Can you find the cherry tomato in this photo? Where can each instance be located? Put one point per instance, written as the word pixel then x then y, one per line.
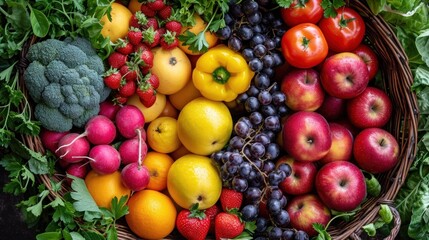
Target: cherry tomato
pixel 301 11
pixel 345 31
pixel 304 45
pixel 369 57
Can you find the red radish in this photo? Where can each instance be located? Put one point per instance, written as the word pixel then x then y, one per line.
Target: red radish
pixel 129 150
pixel 109 109
pixel 72 148
pixel 78 170
pixel 104 159
pixel 50 138
pixel 63 164
pixel 135 176
pixel 129 119
pixel 98 130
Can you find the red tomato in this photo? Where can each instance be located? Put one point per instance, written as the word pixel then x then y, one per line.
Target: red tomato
pixel 304 45
pixel 345 31
pixel 301 11
pixel 369 57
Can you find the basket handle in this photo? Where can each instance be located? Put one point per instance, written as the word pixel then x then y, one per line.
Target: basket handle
pixel 396 223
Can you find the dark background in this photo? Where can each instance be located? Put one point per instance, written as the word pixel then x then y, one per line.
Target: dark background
pixel 12 225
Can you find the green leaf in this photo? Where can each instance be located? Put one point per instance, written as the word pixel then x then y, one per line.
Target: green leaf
pixel 76 236
pixel 92 235
pixel 373 186
pixel 419 224
pixel 284 3
pixel 330 7
pixel 422 44
pixel 119 208
pixel 49 236
pixel 39 23
pixel 385 213
pixel 83 199
pixel 376 6
pixel 322 233
pixel 370 229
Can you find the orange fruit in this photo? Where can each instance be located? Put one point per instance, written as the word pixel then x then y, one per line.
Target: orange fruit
pixel 103 188
pixel 152 112
pixel 158 165
pixel 169 110
pixel 199 26
pixel 118 27
pixel 173 69
pixel 162 135
pixel 181 151
pixel 184 95
pixel 134 6
pixel 152 215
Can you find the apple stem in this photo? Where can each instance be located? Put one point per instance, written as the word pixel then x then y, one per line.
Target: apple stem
pixel 382 142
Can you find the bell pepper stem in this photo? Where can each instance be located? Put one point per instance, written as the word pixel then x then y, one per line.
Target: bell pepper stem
pixel 221 75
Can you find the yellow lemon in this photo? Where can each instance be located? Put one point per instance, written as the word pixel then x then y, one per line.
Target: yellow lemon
pixel 194 179
pixel 118 27
pixel 162 135
pixel 204 126
pixel 152 112
pixel 184 95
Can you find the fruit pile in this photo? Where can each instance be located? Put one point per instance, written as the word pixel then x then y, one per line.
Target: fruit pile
pixel 270 131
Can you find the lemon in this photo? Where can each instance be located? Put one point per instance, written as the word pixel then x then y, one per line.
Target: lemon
pixel 194 179
pixel 118 27
pixel 204 126
pixel 162 135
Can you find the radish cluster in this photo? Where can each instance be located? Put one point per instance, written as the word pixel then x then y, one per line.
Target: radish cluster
pixel 115 137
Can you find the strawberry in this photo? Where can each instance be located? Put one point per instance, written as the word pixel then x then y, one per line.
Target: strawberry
pixel 230 199
pixel 211 213
pixel 165 12
pixel 169 40
pixel 174 26
pixel 193 224
pixel 138 19
pixel 112 78
pixel 134 35
pixel 152 79
pixel 151 22
pixel 146 58
pixel 117 60
pixel 155 5
pixel 147 11
pixel 141 47
pixel 124 47
pixel 118 99
pixel 228 225
pixel 129 72
pixel 147 94
pixel 127 89
pixel 151 37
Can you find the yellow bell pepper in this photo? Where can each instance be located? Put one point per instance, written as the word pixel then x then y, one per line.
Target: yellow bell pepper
pixel 221 74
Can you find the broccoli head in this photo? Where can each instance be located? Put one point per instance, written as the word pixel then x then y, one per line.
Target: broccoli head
pixel 64 79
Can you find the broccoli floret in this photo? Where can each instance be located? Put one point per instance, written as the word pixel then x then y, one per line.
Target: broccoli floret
pixel 45 51
pixel 81 121
pixel 52 119
pixel 71 85
pixel 52 96
pixel 35 80
pixel 72 56
pixel 72 111
pixel 54 71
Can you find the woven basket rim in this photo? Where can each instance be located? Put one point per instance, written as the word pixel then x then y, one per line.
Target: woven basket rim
pixel 398 80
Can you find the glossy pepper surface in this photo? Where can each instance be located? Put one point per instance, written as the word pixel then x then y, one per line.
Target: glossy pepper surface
pixel 221 74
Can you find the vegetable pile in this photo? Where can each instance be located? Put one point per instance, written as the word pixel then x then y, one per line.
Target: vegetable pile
pixel 113 115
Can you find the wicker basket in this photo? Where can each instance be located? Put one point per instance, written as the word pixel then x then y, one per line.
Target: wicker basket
pixel 397 81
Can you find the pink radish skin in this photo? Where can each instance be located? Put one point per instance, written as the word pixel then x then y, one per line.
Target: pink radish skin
pixel 104 159
pixel 50 139
pixel 129 150
pixel 72 148
pixel 128 119
pixel 63 164
pixel 78 170
pixel 135 176
pixel 99 130
pixel 109 109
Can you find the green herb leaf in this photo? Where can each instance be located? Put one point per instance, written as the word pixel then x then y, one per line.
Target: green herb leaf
pixel 376 6
pixel 119 208
pixel 284 3
pixel 373 186
pixel 370 229
pixel 49 236
pixel 322 233
pixel 196 43
pixel 385 213
pixel 83 199
pixel 39 23
pixel 330 7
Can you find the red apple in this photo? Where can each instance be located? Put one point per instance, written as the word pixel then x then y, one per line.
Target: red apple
pixel 342 144
pixel 369 57
pixel 372 108
pixel 301 179
pixel 341 185
pixel 332 108
pixel 344 75
pixel 306 136
pixel 375 150
pixel 346 123
pixel 303 90
pixel 304 210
